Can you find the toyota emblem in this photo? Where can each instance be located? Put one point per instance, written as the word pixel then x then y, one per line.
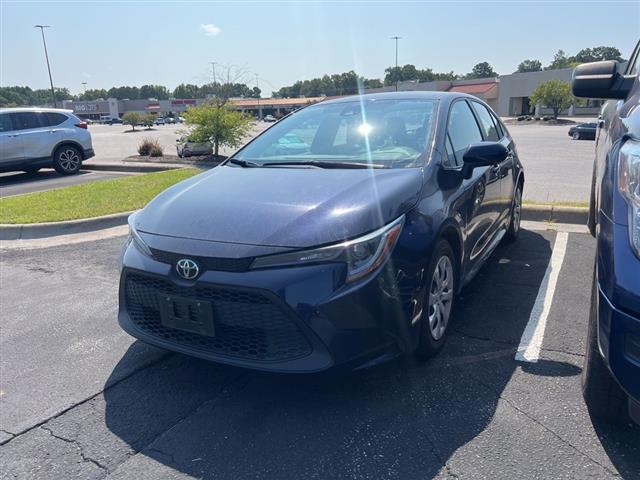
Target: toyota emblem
pixel 187 268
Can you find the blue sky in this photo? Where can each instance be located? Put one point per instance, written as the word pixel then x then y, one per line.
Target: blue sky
pixel 167 42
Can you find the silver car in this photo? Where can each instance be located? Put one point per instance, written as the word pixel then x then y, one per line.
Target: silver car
pixel 186 148
pixel 33 138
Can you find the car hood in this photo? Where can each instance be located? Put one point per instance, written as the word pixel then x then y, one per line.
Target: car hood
pixel 281 207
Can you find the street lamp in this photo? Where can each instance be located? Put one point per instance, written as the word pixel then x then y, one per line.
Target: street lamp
pixel 396 38
pixel 46 55
pixel 259 109
pixel 84 86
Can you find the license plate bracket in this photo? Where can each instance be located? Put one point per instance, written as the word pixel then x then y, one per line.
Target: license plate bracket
pixel 187 314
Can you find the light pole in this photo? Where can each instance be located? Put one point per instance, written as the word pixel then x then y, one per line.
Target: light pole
pixel 46 55
pixel 259 108
pixel 396 38
pixel 84 86
pixel 213 71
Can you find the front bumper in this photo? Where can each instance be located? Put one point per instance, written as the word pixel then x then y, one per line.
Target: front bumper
pixel 299 319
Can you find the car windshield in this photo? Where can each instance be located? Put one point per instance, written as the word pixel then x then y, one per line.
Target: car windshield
pixel 387 133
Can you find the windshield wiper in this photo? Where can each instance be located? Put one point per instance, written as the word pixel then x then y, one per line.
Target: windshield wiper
pixel 244 163
pixel 324 164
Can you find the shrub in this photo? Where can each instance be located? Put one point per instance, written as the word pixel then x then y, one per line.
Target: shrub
pixel 150 147
pixel 156 151
pixel 132 118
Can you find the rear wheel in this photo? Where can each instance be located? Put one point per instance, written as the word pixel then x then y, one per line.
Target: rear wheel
pixel 602 394
pixel 67 160
pixel 576 135
pixel 438 304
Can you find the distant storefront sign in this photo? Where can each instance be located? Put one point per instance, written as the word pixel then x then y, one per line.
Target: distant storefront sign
pixel 85 107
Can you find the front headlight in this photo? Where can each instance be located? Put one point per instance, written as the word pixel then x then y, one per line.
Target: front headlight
pixel 362 255
pixel 134 236
pixel 629 186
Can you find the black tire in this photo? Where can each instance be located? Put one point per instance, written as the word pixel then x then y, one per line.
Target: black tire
pixel 429 345
pixel 67 160
pixel 602 394
pixel 31 170
pixel 516 216
pixel 576 135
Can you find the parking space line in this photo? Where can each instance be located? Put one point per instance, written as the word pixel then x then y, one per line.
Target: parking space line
pixel 533 335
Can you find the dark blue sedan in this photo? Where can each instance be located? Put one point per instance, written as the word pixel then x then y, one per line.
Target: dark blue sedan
pixel 611 374
pixel 344 247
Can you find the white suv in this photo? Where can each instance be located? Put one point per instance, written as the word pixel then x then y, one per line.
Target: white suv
pixel 33 138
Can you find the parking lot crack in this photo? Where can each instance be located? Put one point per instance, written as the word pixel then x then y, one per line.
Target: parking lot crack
pixel 83 456
pixel 546 428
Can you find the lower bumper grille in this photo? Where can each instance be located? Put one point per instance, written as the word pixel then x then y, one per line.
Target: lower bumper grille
pixel 248 325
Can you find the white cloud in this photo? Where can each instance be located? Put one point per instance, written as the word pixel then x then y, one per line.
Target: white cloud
pixel 210 30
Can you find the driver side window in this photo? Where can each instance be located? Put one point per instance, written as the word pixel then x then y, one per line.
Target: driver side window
pixel 462 130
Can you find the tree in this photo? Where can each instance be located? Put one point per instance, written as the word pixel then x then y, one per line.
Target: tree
pixel 148 120
pixel 132 118
pixel 218 123
pixel 560 60
pixel 481 70
pixel 186 91
pixel 554 94
pixel 529 66
pixel 597 54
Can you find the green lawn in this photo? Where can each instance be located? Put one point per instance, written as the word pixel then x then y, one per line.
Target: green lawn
pixel 90 199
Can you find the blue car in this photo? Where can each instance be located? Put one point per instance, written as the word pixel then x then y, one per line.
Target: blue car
pixel 348 249
pixel 611 373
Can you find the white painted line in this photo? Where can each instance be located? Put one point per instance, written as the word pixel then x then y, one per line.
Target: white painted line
pixel 533 335
pixel 553 227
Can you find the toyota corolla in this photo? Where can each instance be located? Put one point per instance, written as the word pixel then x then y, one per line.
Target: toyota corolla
pixel 339 236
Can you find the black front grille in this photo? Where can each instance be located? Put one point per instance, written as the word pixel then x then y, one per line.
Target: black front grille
pixel 205 263
pixel 248 325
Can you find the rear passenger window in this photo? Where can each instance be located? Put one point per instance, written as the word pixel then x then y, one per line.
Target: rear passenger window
pixel 25 120
pixel 463 129
pixel 54 119
pixel 5 123
pixel 489 129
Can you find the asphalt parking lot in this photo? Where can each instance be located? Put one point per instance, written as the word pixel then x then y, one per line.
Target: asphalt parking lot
pixel 81 399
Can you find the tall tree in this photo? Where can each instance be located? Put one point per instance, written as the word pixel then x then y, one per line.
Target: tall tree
pixel 560 60
pixel 481 70
pixel 554 94
pixel 529 66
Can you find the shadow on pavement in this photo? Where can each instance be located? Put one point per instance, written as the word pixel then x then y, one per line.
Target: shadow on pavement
pixel 398 420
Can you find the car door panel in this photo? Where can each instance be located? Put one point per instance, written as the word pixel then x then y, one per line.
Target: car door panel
pixel 11 150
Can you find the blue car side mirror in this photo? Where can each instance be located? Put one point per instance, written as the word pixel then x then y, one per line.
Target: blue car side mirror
pixel 484 154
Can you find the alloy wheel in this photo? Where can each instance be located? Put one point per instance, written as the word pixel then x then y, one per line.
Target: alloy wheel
pixel 69 160
pixel 517 210
pixel 440 297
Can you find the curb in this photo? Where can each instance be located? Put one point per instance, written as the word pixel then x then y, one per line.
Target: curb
pixel 52 229
pixel 555 213
pixel 111 167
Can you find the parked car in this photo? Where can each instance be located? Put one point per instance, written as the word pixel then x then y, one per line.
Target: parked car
pixel 611 372
pixel 115 121
pixel 180 119
pixel 33 138
pixel 583 131
pixel 347 253
pixel 186 148
pixel 159 121
pixel 169 120
pixel 269 118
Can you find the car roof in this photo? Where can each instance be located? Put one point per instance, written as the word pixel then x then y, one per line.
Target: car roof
pixel 426 95
pixel 34 109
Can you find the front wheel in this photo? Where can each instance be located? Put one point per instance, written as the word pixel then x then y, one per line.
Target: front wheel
pixel 576 135
pixel 516 216
pixel 440 294
pixel 67 160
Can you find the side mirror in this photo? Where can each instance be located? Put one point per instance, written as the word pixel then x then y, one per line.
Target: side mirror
pixel 484 154
pixel 601 80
